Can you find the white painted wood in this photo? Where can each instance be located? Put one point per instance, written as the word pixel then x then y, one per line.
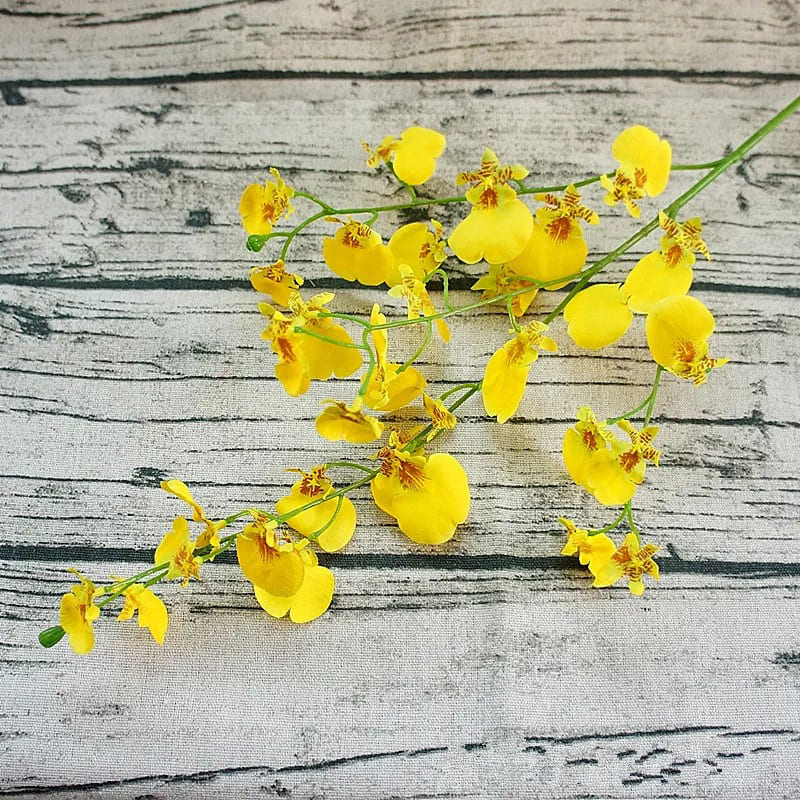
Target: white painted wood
pixel 131 352
pixel 489 692
pixel 124 153
pixel 173 39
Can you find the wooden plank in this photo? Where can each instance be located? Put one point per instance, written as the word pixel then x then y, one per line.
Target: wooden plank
pixel 697 715
pixel 187 154
pixel 131 353
pixel 179 383
pixel 179 39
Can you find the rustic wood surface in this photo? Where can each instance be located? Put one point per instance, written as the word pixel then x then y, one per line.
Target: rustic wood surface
pixel 487 669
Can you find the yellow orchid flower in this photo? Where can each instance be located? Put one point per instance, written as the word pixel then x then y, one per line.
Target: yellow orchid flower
pixel 181 491
pixel 357 253
pixel 606 467
pixel 499 225
pixel 666 272
pixel 340 422
pixel 598 316
pixel 314 485
pixel 152 611
pixel 275 281
pixel 593 550
pixel 78 612
pixel 416 246
pixel 442 419
pixel 613 480
pixel 412 156
pixel 584 444
pixel 683 236
pixel 262 206
pixel 177 548
pixel 271 563
pixel 654 278
pixel 303 357
pixel 313 596
pixel 390 388
pixel 677 332
pixel 500 280
pixel 556 248
pixel 419 301
pixel 631 561
pixel 427 495
pixel 644 164
pixel 507 371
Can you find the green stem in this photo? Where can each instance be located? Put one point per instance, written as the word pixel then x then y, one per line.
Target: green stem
pixel 312 537
pixel 257 242
pixel 418 352
pixel 611 525
pixel 373 361
pixel 121 586
pixel 649 401
pixel 511 318
pixel 314 199
pixel 458 388
pixel 329 339
pixel 349 465
pixel 648 415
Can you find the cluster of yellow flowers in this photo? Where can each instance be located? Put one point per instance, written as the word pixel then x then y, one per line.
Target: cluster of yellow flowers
pixel 426 494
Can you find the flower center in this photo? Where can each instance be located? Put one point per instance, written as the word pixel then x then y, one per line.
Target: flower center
pixel 489 198
pixel 559 229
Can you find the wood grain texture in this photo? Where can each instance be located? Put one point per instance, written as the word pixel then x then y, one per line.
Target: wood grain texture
pixel 485 669
pixel 125 153
pixel 172 39
pixel 341 709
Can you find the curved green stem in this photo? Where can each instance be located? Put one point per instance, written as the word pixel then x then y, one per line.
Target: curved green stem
pixel 418 352
pixel 328 339
pixel 349 465
pixel 611 525
pixel 649 401
pixel 312 537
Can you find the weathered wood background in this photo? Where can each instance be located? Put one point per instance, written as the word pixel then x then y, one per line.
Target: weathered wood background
pixel 131 352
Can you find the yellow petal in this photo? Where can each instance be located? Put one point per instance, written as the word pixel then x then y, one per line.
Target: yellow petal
pixel 409 246
pixel 675 320
pixel 172 541
pixel 607 574
pixel 401 388
pixel 607 481
pixel 81 635
pixel 277 572
pixel 430 515
pixel 314 596
pixel 370 262
pixel 578 459
pixel 250 205
pixel 597 316
pixel 339 422
pixel 383 489
pixel 308 522
pixel 547 259
pixel 153 613
pixel 415 156
pixel 325 358
pixel 651 280
pixel 274 606
pixel 496 234
pixel 640 147
pixel 504 382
